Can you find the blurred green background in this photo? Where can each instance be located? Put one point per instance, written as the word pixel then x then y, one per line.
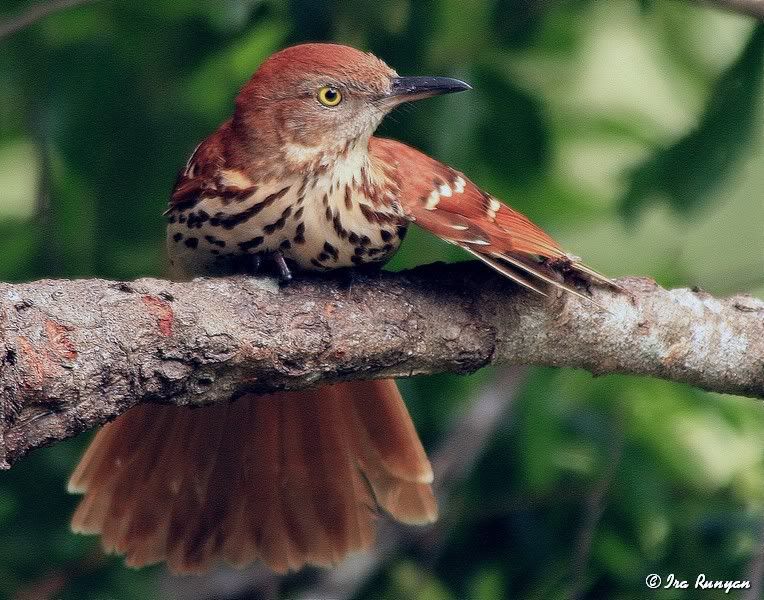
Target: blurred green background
pixel 631 130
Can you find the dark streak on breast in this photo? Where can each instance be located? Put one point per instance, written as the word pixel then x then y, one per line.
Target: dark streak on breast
pixel 215 241
pixel 230 193
pixel 253 243
pixel 375 216
pixel 229 221
pixel 338 228
pixel 331 250
pixel 299 237
pixel 303 186
pixel 278 224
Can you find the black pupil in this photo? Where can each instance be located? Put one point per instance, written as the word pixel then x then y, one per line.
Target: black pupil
pixel 330 95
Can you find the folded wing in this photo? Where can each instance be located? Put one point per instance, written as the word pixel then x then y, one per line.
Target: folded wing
pixel 446 203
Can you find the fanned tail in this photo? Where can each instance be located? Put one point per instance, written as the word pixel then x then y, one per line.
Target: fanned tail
pixel 291 478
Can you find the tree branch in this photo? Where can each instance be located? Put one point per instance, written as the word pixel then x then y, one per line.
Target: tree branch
pixel 35 13
pixel 74 354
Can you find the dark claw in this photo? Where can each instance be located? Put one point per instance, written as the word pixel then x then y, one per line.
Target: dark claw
pixel 285 275
pixel 346 277
pixel 255 261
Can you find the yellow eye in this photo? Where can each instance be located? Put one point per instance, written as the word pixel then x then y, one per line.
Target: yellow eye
pixel 329 96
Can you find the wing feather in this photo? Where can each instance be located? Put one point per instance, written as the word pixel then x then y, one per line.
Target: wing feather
pixel 208 174
pixel 446 203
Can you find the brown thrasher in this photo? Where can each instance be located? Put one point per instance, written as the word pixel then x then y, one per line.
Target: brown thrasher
pixel 296 177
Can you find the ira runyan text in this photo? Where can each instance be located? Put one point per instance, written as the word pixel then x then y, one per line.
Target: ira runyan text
pixel 704 583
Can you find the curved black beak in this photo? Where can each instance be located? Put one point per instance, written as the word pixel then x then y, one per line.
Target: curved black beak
pixel 405 89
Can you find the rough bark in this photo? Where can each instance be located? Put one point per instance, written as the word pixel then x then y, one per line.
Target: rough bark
pixel 74 354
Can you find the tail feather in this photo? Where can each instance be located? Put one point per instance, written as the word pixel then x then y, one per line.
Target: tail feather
pixel 331 474
pixel 198 507
pixel 234 472
pixel 241 545
pixel 136 527
pixel 114 452
pixel 395 467
pixel 299 498
pixel 289 478
pixel 264 514
pixel 382 414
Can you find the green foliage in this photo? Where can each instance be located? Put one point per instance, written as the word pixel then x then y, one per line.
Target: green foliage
pixel 100 105
pixel 690 170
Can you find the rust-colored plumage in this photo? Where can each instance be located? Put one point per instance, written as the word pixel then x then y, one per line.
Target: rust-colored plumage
pixel 296 178
pixel 288 478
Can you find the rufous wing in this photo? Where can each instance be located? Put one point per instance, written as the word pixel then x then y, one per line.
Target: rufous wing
pixel 446 203
pixel 209 173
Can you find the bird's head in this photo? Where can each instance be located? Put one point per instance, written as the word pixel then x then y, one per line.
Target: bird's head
pixel 324 98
